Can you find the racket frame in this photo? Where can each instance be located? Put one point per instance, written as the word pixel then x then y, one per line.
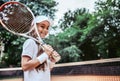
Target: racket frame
pixel 32 24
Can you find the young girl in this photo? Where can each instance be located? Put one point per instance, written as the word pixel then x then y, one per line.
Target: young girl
pixel 35 62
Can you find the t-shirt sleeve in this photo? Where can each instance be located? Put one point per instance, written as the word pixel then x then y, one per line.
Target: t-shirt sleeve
pixel 28 48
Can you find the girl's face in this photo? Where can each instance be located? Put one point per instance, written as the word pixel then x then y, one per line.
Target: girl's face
pixel 43 28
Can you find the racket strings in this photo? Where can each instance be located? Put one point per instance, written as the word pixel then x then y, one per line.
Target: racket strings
pixel 22 27
pixel 23 18
pixel 17 25
pixel 19 18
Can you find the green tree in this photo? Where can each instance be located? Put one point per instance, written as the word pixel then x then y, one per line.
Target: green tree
pixel 68 41
pixel 41 7
pixel 96 34
pixel 102 31
pixel 107 14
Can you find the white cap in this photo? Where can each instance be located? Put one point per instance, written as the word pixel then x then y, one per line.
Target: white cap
pixel 39 19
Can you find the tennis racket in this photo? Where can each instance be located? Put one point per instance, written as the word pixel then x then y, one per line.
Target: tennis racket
pixel 19 20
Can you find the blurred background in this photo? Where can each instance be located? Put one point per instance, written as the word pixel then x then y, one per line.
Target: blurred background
pixel 86 33
pixel 83 30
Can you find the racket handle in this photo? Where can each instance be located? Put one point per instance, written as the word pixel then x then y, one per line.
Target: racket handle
pixel 56 56
pixel 53 54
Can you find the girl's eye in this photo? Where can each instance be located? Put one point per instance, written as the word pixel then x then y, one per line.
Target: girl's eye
pixel 42 26
pixel 47 28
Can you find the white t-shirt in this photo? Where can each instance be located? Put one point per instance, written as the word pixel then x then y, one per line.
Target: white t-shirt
pixel 30 48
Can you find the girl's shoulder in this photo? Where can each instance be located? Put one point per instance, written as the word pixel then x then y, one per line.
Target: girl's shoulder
pixel 29 41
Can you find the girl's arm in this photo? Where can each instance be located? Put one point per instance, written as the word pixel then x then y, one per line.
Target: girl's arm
pixel 28 63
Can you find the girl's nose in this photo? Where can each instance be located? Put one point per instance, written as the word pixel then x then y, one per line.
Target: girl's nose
pixel 46 30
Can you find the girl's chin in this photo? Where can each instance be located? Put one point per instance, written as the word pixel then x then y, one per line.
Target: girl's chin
pixel 42 36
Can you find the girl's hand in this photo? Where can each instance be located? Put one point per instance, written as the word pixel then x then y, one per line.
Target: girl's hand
pixel 55 57
pixel 48 49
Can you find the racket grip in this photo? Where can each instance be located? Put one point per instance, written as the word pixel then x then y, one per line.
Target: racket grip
pixel 56 57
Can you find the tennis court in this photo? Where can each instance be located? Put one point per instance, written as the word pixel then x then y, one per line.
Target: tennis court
pixel 85 78
pixel 97 70
pixel 76 78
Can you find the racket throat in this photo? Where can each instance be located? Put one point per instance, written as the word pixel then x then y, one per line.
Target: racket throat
pixel 40 40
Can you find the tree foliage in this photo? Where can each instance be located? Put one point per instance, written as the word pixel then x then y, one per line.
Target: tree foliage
pixel 96 35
